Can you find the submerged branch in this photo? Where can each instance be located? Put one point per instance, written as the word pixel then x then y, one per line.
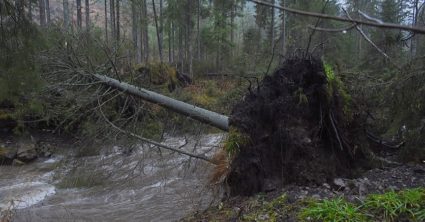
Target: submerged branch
pixel 153 142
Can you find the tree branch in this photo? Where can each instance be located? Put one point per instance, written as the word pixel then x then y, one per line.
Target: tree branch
pixel 342 19
pixel 372 43
pixel 333 30
pixel 153 142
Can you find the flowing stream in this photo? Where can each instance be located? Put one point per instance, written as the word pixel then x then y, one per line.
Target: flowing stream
pixel 116 185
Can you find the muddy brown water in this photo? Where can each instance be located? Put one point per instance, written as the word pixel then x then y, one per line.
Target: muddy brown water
pixel 145 185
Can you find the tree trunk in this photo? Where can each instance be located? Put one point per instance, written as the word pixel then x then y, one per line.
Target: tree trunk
pixel 41 5
pixel 232 24
pixel 87 10
pixel 66 14
pixel 189 44
pixel 112 19
pixel 272 28
pixel 48 11
pixel 145 30
pixel 117 21
pixel 198 37
pixel 283 32
pixel 157 32
pixel 161 23
pixel 79 15
pixel 135 31
pixel 181 49
pixel 173 41
pixel 170 60
pixel 197 113
pixel 30 10
pixel 413 40
pixel 106 21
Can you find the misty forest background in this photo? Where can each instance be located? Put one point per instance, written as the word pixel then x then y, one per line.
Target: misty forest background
pixel 47 47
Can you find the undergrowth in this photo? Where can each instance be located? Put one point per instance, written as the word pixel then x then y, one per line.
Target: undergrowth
pixel 406 205
pixel 234 141
pixel 332 210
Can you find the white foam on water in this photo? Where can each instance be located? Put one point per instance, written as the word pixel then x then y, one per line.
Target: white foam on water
pixel 24 195
pixel 53 159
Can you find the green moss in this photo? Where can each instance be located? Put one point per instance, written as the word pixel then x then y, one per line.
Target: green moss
pixel 335 85
pixel 235 139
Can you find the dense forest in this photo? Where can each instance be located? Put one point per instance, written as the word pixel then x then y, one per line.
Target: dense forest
pixel 306 91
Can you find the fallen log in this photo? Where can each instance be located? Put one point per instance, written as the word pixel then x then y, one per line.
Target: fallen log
pixel 212 118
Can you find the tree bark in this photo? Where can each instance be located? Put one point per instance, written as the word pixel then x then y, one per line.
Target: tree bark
pixel 173 41
pixel 30 10
pixel 198 30
pixel 272 34
pixel 106 21
pixel 197 113
pixel 283 32
pixel 79 15
pixel 413 40
pixel 157 32
pixel 87 10
pixel 170 59
pixel 189 56
pixel 41 5
pixel 232 24
pixel 181 49
pixel 66 15
pixel 145 30
pixel 117 21
pixel 112 19
pixel 48 11
pixel 135 31
pixel 161 23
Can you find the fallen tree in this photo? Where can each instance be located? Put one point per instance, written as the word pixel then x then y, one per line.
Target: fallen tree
pixel 297 125
pixel 194 112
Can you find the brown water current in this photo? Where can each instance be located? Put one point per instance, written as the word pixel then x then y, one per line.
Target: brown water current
pixel 116 185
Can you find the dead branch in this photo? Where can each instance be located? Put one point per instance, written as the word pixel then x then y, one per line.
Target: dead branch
pixel 382 142
pixel 370 17
pixel 201 157
pixel 372 43
pixel 342 19
pixel 333 30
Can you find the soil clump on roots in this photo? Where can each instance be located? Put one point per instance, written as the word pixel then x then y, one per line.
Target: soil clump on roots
pixel 299 128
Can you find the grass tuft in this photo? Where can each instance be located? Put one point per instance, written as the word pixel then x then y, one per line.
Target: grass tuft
pixel 393 206
pixel 234 141
pixel 332 210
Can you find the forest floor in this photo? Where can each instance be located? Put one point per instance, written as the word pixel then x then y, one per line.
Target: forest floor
pixel 286 204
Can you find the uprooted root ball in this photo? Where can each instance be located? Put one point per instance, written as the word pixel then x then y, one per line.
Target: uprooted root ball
pixel 298 128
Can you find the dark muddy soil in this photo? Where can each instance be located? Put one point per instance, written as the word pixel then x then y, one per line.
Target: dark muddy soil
pixel 299 132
